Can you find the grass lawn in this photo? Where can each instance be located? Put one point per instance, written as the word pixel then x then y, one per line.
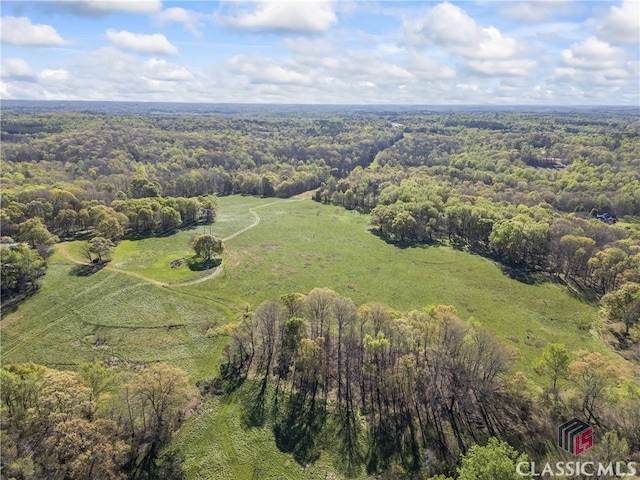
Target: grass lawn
pixel 297 245
pixel 302 245
pixel 109 315
pixel 218 446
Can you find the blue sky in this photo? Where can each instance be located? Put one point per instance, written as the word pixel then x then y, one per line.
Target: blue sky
pixel 553 52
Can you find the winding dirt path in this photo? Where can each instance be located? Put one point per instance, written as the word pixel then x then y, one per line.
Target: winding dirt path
pixel 256 221
pixel 63 251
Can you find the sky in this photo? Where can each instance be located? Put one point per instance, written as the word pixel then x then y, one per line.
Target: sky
pixel 486 52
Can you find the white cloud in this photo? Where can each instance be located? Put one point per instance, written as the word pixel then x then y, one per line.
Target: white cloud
pixel 426 68
pixel 449 26
pixel 309 46
pixel 103 7
pixel 593 54
pixel 536 10
pixel 188 18
pixel 513 67
pixel 260 70
pixel 20 31
pixel 57 75
pixel 295 16
pixel 17 68
pixel 622 24
pixel 162 70
pixel 138 42
pixel 109 73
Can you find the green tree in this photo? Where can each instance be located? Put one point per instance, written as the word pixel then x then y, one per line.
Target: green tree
pixel 22 267
pixel 78 448
pixel 97 376
pixel 594 376
pixel 495 461
pixel 157 399
pixel 146 220
pixel 293 301
pixel 207 246
pixel 35 233
pixel 506 239
pixel 169 218
pixel 66 220
pixel 554 363
pixel 110 228
pixel 19 386
pixel 403 225
pixel 208 207
pixel 100 246
pixel 623 305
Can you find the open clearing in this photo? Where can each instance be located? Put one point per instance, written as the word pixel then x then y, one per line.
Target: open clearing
pixel 122 312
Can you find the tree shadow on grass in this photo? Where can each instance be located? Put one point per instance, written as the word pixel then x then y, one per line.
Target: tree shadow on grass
pixel 523 275
pixel 403 244
pixel 253 400
pixel 197 264
pixel 86 270
pixel 298 429
pixel 10 304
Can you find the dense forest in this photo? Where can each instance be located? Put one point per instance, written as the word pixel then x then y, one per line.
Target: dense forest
pixel 550 195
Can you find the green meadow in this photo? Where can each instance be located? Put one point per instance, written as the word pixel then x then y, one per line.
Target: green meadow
pixel 281 246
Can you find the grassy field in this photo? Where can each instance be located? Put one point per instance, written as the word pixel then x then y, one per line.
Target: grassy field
pixel 283 246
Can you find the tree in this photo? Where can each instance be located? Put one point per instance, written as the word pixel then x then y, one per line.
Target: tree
pixel 35 233
pixel 110 228
pixel 66 220
pixel 607 266
pixel 495 461
pixel 63 394
pixel 207 246
pixel 293 301
pixel 157 399
pixel 98 376
pixel 21 269
pixel 594 375
pixel 100 246
pixel 554 363
pixel 169 218
pixel 78 448
pixel 165 391
pixel 208 207
pixel 623 305
pixel 403 225
pixel 506 239
pixel 19 386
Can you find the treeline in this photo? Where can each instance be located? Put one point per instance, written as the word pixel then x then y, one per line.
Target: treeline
pixel 93 423
pixel 33 220
pixel 584 162
pixel 408 392
pixel 186 155
pixel 65 213
pixel 582 251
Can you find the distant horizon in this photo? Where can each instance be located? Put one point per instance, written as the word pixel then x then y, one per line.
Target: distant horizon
pixel 379 105
pixel 323 52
